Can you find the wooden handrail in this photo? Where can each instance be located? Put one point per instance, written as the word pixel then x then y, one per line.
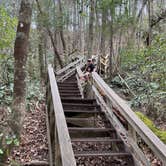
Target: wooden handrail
pixel 154 143
pixel 79 72
pixel 67 71
pixel 69 66
pixel 80 80
pixel 63 146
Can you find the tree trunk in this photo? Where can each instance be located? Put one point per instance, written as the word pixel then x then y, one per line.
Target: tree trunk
pixel 51 37
pixel 111 67
pixel 61 26
pixel 41 50
pixel 149 35
pixel 103 32
pixel 141 10
pixel 82 28
pixel 91 20
pixel 112 59
pixel 75 40
pixel 20 55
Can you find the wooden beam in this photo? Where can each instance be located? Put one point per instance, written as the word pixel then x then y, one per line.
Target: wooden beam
pixel 65 146
pixel 69 66
pixel 136 152
pixel 156 145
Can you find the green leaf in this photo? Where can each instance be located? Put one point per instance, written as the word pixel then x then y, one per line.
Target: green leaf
pixel 16 142
pixel 154 85
pixel 9 110
pixel 9 141
pixel 1 151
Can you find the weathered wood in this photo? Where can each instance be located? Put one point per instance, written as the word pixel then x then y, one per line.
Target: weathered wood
pixel 80 80
pixel 66 75
pixel 70 65
pixel 145 133
pixel 67 71
pixel 138 156
pixel 66 151
pixel 37 163
pixel 49 140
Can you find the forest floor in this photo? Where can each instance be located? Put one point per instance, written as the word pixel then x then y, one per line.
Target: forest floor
pixel 33 144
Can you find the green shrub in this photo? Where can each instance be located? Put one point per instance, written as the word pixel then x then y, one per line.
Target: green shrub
pixel 161 134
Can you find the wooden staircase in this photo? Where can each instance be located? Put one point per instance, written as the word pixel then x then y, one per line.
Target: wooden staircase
pixel 94 140
pixel 101 131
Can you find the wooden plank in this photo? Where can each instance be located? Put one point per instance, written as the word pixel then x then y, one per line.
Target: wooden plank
pixel 49 139
pixel 80 80
pixel 67 71
pixel 79 72
pixel 66 151
pixel 66 75
pixel 138 155
pixel 156 145
pixel 70 65
pixel 111 154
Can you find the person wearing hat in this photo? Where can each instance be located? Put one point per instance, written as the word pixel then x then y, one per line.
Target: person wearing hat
pixel 89 68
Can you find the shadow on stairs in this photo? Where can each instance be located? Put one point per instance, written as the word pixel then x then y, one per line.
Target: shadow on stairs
pixel 94 140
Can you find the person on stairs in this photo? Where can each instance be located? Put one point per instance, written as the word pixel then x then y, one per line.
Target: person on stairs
pixel 90 67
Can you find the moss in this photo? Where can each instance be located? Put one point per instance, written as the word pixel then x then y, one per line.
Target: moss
pixel 161 134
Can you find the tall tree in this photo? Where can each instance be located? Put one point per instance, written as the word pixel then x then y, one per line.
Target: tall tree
pixel 60 29
pixel 50 35
pixel 149 36
pixel 103 32
pixel 112 62
pixel 82 40
pixel 20 56
pixel 91 20
pixel 41 38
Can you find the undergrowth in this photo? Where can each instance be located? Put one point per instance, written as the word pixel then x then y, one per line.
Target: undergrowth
pixel 161 134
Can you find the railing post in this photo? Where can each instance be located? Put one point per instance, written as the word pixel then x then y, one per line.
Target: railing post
pixel 136 125
pixel 48 101
pixel 60 140
pixel 132 133
pixel 57 149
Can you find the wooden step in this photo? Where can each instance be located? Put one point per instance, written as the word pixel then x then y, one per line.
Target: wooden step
pixel 103 139
pixel 64 95
pixel 96 154
pixel 67 84
pixel 104 158
pixel 68 106
pixel 80 122
pixel 76 132
pixel 82 113
pixel 69 91
pixel 72 81
pixel 68 88
pixel 77 100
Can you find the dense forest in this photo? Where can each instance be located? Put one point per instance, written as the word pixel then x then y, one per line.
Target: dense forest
pixel 34 33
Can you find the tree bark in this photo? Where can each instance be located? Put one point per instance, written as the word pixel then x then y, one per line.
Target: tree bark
pixel 82 37
pixel 149 35
pixel 75 42
pixel 112 59
pixel 141 10
pixel 111 71
pixel 155 20
pixel 51 38
pixel 103 32
pixel 61 26
pixel 41 50
pixel 91 20
pixel 20 56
